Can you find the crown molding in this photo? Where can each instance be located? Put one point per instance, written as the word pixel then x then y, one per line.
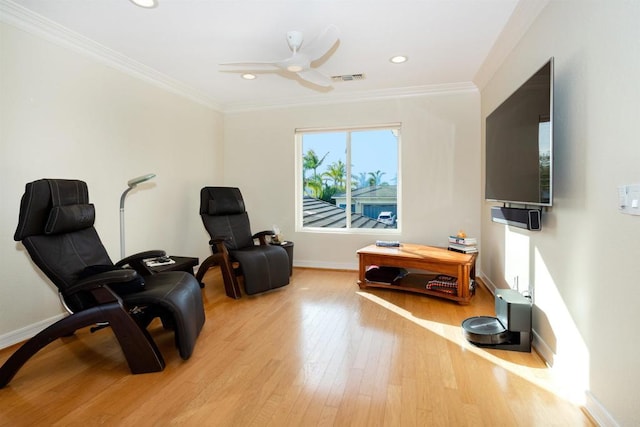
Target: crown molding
pixel 26 20
pixel 379 95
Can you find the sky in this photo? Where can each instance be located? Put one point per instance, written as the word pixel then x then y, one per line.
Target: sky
pixel 371 150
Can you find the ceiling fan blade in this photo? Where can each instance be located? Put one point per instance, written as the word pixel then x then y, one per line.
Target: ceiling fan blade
pixel 254 66
pixel 315 77
pixel 300 61
pixel 322 44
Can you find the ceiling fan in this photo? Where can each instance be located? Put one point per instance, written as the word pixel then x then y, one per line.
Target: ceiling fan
pixel 302 58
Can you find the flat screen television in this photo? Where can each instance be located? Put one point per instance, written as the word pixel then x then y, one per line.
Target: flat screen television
pixel 519 144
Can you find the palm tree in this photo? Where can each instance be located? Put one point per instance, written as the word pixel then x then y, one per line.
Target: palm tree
pixel 337 172
pixel 310 161
pixel 375 178
pixel 359 181
pixel 313 187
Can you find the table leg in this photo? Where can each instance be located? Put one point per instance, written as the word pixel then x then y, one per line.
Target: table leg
pixel 361 279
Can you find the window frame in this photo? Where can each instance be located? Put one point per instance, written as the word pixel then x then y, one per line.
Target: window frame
pixel 299 184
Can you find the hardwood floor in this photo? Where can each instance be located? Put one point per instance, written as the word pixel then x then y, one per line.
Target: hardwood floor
pixel 318 352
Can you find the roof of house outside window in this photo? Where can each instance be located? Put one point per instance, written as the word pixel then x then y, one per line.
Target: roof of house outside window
pixel 318 213
pixel 372 192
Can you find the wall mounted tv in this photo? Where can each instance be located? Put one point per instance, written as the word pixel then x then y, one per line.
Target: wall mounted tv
pixel 519 144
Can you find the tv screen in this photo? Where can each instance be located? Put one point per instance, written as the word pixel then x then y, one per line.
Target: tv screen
pixel 519 144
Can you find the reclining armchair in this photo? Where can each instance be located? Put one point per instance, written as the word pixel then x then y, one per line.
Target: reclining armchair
pixel 261 267
pixel 56 227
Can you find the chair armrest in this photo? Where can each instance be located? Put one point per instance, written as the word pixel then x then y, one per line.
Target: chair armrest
pixel 217 243
pixel 262 236
pixel 219 239
pixel 218 246
pixel 96 284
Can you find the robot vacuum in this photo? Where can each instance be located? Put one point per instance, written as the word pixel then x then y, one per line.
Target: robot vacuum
pixel 509 330
pixel 484 330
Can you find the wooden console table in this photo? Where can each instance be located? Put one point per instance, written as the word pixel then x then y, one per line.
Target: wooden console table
pixel 430 260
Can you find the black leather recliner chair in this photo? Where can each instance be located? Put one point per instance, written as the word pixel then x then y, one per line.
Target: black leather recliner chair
pixel 56 227
pixel 263 267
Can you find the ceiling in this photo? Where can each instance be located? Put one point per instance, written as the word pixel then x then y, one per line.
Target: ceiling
pixel 182 42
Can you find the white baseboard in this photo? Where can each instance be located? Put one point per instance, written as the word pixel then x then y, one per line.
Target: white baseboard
pixel 27 332
pixel 543 349
pixel 488 284
pixel 326 265
pixel 599 413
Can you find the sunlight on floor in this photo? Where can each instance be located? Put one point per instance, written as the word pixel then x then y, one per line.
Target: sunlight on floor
pixel 541 377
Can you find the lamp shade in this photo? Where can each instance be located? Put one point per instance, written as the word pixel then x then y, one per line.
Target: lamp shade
pixel 139 180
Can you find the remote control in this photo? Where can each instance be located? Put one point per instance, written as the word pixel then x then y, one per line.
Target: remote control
pixel 388 243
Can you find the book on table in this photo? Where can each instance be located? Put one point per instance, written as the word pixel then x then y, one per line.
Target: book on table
pixel 467 241
pixel 465 249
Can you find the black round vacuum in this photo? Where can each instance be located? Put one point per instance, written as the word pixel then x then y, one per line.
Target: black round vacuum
pixel 484 330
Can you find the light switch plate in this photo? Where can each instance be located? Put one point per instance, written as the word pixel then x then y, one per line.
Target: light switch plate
pixel 628 199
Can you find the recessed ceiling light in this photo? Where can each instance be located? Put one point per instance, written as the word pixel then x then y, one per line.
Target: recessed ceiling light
pixel 248 76
pixel 145 3
pixel 399 59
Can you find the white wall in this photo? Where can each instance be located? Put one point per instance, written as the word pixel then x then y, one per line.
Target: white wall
pixel 583 266
pixel 440 166
pixel 64 115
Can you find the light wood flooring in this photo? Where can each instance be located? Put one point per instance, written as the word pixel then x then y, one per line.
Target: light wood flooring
pixel 317 352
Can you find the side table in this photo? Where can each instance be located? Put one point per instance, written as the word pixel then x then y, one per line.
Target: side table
pixel 288 246
pixel 181 263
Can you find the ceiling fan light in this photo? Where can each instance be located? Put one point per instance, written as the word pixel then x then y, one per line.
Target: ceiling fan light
pixel 148 4
pixel 248 76
pixel 294 68
pixel 398 59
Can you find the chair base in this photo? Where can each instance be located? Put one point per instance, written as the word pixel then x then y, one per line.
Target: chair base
pixel 231 286
pixel 140 351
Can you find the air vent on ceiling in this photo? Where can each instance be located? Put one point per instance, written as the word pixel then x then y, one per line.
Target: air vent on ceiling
pixel 347 77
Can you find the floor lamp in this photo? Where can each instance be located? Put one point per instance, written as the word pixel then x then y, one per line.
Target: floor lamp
pixel 131 184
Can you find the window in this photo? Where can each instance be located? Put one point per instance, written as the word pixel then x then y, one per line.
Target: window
pixel 348 178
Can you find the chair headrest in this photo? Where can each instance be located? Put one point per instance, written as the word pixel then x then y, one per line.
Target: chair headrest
pixel 53 206
pixel 221 201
